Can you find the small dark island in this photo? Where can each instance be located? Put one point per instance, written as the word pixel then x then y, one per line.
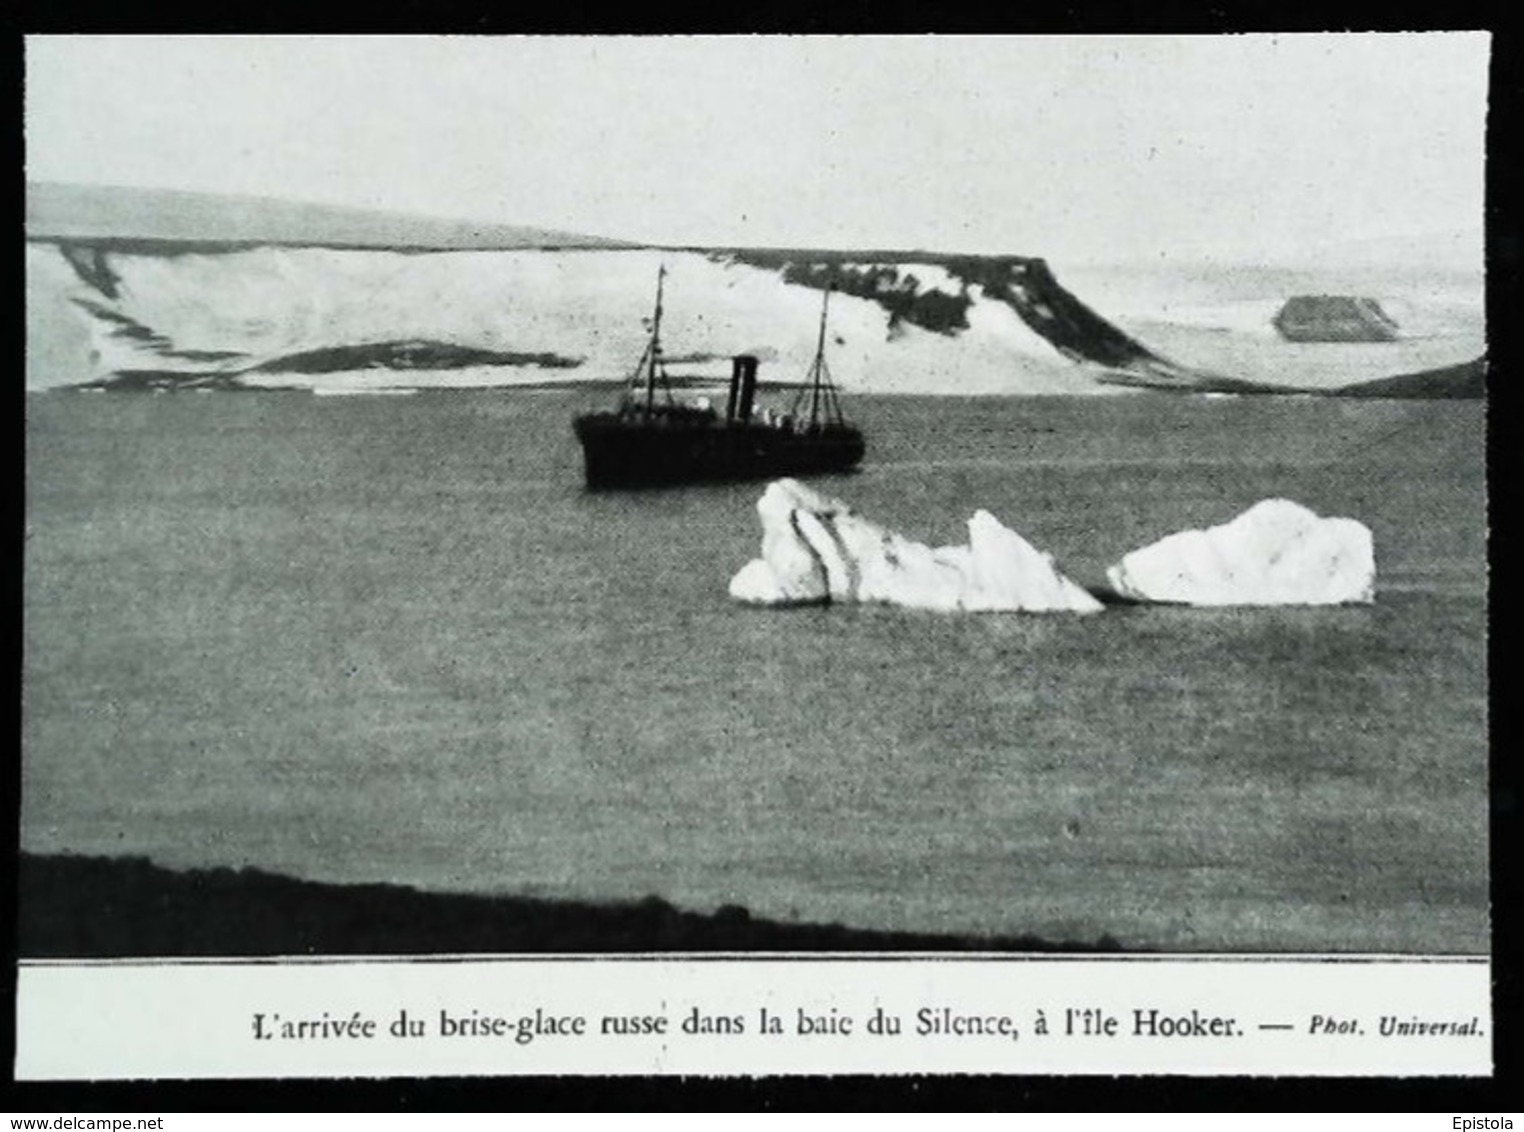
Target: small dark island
pixel 1334 318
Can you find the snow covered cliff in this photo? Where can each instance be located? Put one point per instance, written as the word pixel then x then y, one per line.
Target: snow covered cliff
pixel 275 316
pixel 139 288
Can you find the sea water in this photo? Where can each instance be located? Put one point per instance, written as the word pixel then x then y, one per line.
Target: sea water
pixel 395 639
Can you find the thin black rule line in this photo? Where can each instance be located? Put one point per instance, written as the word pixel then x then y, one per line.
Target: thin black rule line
pixel 1277 1026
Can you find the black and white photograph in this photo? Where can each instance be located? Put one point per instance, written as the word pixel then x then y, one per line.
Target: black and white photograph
pixel 754 496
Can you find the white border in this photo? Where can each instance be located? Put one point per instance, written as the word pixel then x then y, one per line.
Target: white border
pixel 156 1018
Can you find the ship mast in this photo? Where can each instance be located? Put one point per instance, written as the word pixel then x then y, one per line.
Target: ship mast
pixel 654 351
pixel 818 369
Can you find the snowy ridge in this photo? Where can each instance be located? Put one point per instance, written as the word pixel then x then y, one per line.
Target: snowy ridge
pixel 257 317
pixel 310 317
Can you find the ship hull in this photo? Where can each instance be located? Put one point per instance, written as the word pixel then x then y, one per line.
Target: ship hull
pixel 621 452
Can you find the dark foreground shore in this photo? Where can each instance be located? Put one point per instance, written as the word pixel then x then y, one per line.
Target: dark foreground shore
pixel 103 907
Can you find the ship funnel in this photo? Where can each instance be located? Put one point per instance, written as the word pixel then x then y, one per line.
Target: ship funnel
pixel 735 389
pixel 743 388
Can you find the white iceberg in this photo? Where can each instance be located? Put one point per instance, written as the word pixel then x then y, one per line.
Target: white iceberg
pixel 1275 553
pixel 815 549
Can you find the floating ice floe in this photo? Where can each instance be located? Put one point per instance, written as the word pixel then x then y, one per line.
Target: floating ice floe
pixel 814 549
pixel 1275 553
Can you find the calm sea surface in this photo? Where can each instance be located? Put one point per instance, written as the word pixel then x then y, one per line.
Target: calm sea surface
pixel 393 639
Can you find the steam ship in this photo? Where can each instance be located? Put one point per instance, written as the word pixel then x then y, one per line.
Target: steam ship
pixel 652 439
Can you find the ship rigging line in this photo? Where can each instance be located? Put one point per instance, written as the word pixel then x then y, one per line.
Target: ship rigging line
pixel 818 382
pixel 650 368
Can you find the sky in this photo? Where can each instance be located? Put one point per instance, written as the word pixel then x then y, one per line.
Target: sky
pixel 1087 147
